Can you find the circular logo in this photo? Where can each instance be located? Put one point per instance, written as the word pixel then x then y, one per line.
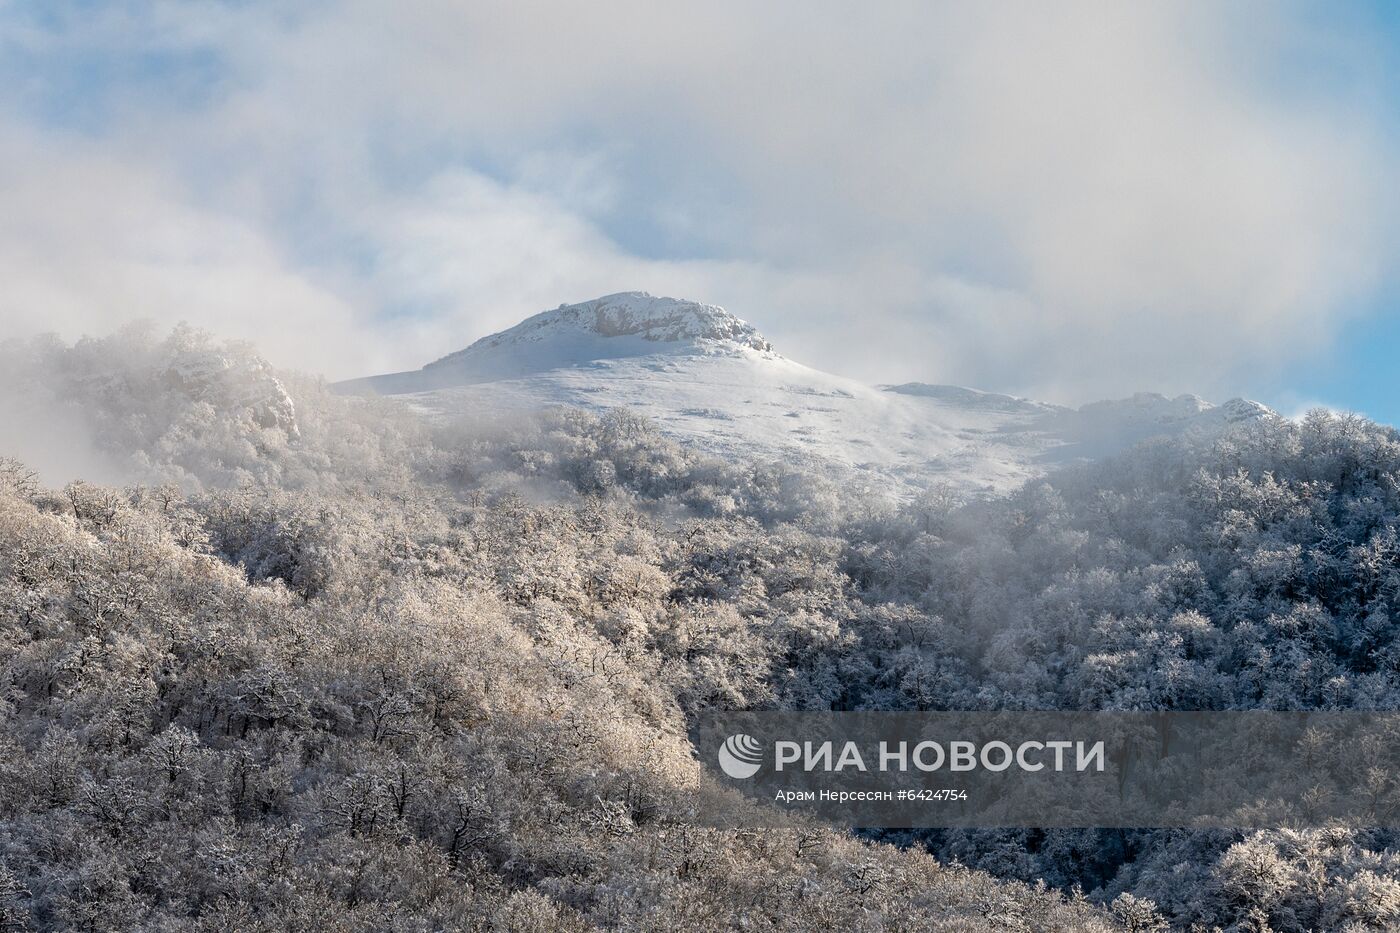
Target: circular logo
pixel 741 756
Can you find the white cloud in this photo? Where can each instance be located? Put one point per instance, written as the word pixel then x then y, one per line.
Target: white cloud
pixel 88 242
pixel 1065 200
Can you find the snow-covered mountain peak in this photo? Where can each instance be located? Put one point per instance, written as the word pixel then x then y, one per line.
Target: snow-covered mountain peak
pixel 1243 409
pixel 626 325
pixel 630 314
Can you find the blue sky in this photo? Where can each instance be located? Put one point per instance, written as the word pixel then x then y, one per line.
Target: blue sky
pixel 1359 373
pixel 1070 202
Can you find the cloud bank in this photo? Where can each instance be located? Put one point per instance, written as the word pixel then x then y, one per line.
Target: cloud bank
pixel 1069 201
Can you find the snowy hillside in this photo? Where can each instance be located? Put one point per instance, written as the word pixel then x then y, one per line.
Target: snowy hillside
pixel 710 379
pixel 629 324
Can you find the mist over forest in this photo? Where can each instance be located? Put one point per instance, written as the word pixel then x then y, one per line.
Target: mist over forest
pixel 278 658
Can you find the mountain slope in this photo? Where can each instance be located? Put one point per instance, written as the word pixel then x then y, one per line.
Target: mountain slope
pixel 616 326
pixel 712 380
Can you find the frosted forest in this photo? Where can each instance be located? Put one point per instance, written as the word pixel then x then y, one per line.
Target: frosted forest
pixel 292 659
pixel 451 451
